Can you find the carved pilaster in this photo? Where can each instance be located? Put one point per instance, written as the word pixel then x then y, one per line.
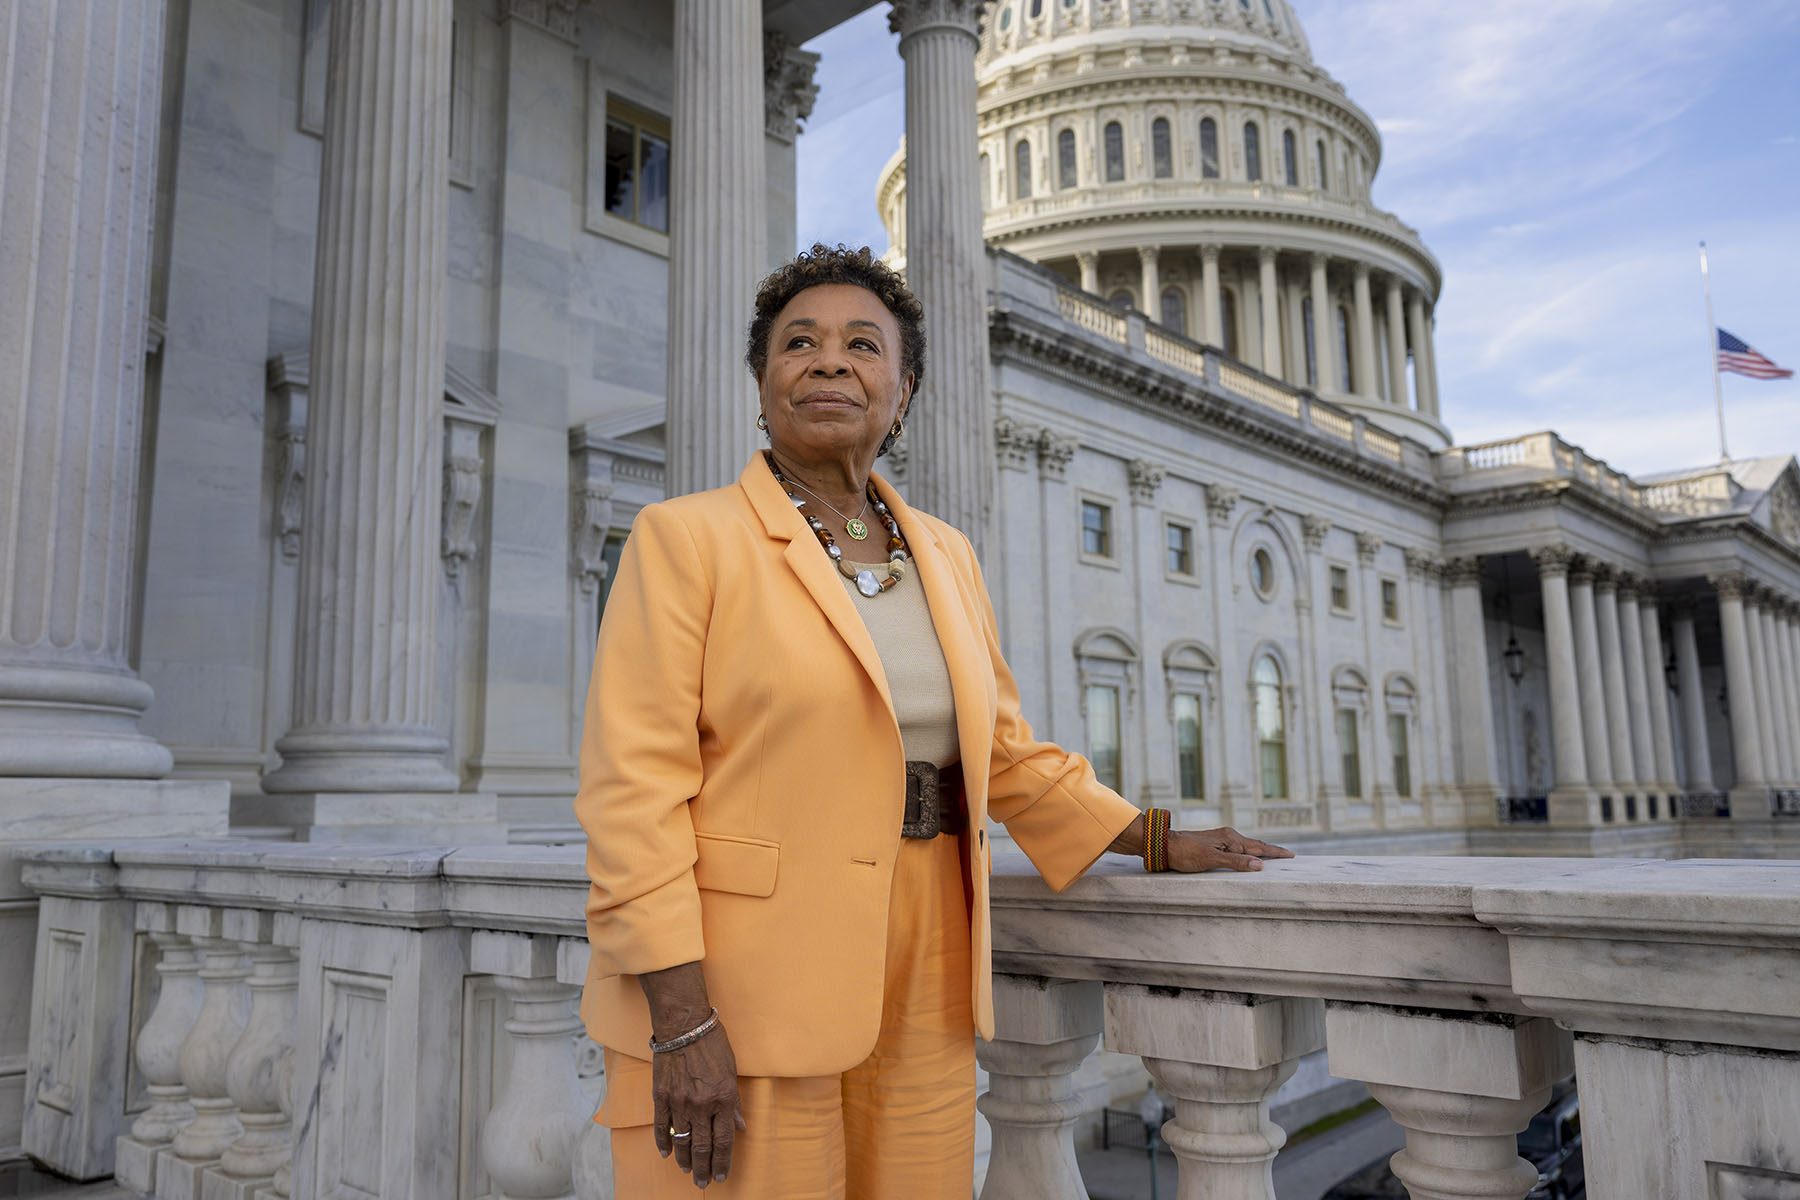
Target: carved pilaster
pixel 592 509
pixel 288 382
pixel 462 495
pixel 1466 571
pixel 1419 563
pixel 1015 443
pixel 1313 530
pixel 1220 500
pixel 1145 477
pixel 1368 545
pixel 788 87
pixel 1054 452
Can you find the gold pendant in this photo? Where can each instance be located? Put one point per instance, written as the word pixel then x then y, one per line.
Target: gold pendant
pixel 856 529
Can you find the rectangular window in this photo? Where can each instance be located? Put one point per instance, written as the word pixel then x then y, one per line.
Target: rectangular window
pixel 1103 733
pixel 1349 753
pixel 1189 769
pixel 1181 548
pixel 1390 600
pixel 1096 529
pixel 1340 590
pixel 637 166
pixel 1402 754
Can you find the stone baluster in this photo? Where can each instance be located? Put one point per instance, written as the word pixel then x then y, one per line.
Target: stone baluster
pixel 282 1185
pixel 528 1139
pixel 1044 1030
pixel 1222 1056
pixel 1462 1087
pixel 158 1049
pixel 224 1012
pixel 593 1149
pixel 253 1070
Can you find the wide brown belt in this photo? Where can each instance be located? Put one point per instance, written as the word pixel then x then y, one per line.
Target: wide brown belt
pixel 935 801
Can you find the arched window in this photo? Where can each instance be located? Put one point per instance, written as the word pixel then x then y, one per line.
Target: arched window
pixel 1324 175
pixel 1022 170
pixel 1209 148
pixel 1160 154
pixel 1343 337
pixel 1252 152
pixel 1174 309
pixel 1312 345
pixel 1228 324
pixel 1290 158
pixel 1037 8
pixel 1271 728
pixel 1065 159
pixel 1120 299
pixel 1115 152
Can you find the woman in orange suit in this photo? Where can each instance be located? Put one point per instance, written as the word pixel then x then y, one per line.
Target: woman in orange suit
pixel 798 726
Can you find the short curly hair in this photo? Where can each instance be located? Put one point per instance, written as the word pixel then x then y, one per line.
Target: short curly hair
pixel 840 264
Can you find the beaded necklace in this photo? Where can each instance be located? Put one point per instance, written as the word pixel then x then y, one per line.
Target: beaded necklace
pixel 867 582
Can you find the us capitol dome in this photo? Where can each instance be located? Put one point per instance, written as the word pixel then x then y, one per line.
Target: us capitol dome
pixel 1187 158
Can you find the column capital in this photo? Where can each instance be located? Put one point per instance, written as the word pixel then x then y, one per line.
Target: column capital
pixel 1148 254
pixel 1266 254
pixel 1210 252
pixel 1367 546
pixel 1015 443
pixel 788 86
pixel 1731 585
pixel 1633 586
pixel 1606 576
pixel 1054 451
pixel 1553 560
pixel 1088 258
pixel 554 17
pixel 1318 259
pixel 1220 500
pixel 1419 563
pixel 908 17
pixel 1360 269
pixel 1313 530
pixel 1145 477
pixel 1465 571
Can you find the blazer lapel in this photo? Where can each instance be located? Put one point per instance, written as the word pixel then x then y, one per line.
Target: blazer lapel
pixel 816 572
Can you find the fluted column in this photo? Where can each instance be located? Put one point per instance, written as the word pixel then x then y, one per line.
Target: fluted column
pixel 1089 262
pixel 1656 692
pixel 1612 675
pixel 1697 744
pixel 1367 375
pixel 1596 737
pixel 1431 371
pixel 1637 690
pixel 1424 393
pixel 1571 799
pixel 1212 309
pixel 1324 328
pixel 1776 684
pixel 1396 344
pixel 946 262
pixel 79 96
pixel 1268 291
pixel 364 701
pixel 717 238
pixel 1790 657
pixel 1748 790
pixel 1474 699
pixel 1150 282
pixel 1759 681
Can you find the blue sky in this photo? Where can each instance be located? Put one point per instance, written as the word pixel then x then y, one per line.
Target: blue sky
pixel 1563 159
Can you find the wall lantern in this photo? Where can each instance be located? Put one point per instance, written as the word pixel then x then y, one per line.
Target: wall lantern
pixel 1514 657
pixel 1671 674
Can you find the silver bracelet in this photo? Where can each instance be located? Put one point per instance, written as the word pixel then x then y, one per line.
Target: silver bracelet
pixel 689 1038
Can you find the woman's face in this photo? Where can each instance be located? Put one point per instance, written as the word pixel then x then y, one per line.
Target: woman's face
pixel 832 386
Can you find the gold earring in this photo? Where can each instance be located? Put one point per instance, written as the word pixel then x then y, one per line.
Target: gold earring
pixel 898 429
pixel 762 421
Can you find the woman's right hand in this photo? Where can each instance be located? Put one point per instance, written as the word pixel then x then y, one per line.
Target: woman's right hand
pixel 694 1089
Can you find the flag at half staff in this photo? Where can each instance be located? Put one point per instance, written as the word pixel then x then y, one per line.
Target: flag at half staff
pixel 1737 356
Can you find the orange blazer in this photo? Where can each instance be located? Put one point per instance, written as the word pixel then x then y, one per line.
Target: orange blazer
pixel 742 778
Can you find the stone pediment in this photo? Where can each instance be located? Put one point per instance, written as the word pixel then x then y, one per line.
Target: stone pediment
pixel 1780 507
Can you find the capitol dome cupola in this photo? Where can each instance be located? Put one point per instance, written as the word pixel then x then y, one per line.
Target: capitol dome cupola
pixel 1187 158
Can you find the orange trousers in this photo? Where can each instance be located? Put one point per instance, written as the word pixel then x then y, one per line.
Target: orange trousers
pixel 898 1126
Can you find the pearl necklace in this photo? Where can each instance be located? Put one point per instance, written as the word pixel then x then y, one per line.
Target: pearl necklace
pixel 867 582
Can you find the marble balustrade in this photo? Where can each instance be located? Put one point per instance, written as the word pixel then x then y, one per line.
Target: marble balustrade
pixel 298 1021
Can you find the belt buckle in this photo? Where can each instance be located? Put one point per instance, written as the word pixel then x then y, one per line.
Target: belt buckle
pixel 922 816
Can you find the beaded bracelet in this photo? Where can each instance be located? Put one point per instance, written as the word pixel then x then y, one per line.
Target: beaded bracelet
pixel 693 1035
pixel 1156 840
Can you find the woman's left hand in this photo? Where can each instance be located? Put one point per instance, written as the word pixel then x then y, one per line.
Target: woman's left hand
pixel 1203 850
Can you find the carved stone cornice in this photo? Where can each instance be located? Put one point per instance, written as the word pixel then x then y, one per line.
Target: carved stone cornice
pixel 1054 451
pixel 1368 545
pixel 1553 560
pixel 909 17
pixel 1420 564
pixel 554 17
pixel 1606 576
pixel 1015 443
pixel 1313 530
pixel 1220 500
pixel 1145 477
pixel 788 87
pixel 1465 571
pixel 1731 585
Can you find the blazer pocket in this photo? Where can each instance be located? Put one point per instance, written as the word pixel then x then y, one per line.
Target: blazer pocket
pixel 733 864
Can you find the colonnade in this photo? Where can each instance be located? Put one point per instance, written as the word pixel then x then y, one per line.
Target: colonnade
pixel 1389 319
pixel 1760 628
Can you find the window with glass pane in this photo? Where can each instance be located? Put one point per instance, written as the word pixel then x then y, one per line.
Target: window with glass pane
pixel 1312 349
pixel 1065 159
pixel 1290 158
pixel 1340 589
pixel 1160 153
pixel 1390 600
pixel 1022 170
pixel 1349 752
pixel 637 166
pixel 1402 753
pixel 1262 572
pixel 1115 151
pixel 1181 549
pixel 1096 529
pixel 1188 765
pixel 1174 309
pixel 1324 177
pixel 1209 148
pixel 1103 733
pixel 1120 299
pixel 1343 330
pixel 1252 151
pixel 1271 728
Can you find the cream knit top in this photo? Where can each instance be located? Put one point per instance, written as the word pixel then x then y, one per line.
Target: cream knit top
pixel 899 623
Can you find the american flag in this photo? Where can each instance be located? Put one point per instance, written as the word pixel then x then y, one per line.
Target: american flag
pixel 1736 355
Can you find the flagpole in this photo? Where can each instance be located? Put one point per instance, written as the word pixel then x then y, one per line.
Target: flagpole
pixel 1712 353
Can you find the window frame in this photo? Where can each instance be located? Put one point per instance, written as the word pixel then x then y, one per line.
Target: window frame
pixel 1264 744
pixel 1112 142
pixel 1333 567
pixel 1274 587
pixel 1192 574
pixel 1162 308
pixel 1350 769
pixel 1252 152
pixel 1323 165
pixel 1110 506
pixel 1176 698
pixel 1162 154
pixel 1116 690
pixel 1400 752
pixel 1021 188
pixel 1209 124
pixel 641 123
pixel 1068 161
pixel 1290 158
pixel 1398 619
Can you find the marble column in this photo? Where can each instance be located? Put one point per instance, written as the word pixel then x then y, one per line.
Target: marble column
pixel 1424 394
pixel 716 237
pixel 1776 683
pixel 1089 262
pixel 1759 680
pixel 1696 743
pixel 1324 328
pixel 1396 344
pixel 1474 696
pixel 1236 770
pixel 365 715
pixel 1596 736
pixel 1367 375
pixel 80 89
pixel 1268 292
pixel 1212 309
pixel 1612 675
pixel 1431 371
pixel 946 261
pixel 1662 734
pixel 1149 552
pixel 1637 690
pixel 1790 658
pixel 1749 791
pixel 1571 799
pixel 1150 282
